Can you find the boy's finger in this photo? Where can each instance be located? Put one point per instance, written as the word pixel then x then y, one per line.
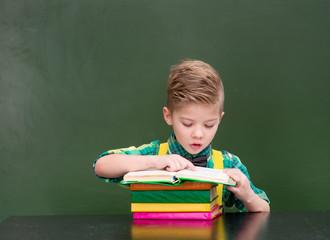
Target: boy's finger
pixel 231 189
pixel 176 165
pixel 231 173
pixel 186 164
pixel 190 165
pixel 237 180
pixel 171 166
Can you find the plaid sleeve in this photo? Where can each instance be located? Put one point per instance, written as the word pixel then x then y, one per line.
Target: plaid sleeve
pixel 232 161
pixel 145 149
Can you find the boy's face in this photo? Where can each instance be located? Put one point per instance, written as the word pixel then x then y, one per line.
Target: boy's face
pixel 194 125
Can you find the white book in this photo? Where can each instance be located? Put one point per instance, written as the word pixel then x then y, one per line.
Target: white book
pixel 201 174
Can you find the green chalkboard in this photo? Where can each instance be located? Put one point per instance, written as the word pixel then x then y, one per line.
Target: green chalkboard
pixel 80 77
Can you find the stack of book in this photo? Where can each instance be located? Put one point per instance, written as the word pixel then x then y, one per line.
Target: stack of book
pixel 151 199
pixel 191 200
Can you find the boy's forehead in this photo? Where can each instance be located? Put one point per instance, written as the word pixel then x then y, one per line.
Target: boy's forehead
pixel 196 109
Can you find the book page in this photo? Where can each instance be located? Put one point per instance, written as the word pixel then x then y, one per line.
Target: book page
pixel 205 172
pixel 151 172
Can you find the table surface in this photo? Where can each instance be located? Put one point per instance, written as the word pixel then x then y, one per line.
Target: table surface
pixel 275 225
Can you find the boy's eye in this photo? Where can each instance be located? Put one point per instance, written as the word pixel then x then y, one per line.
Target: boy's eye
pixel 187 124
pixel 209 126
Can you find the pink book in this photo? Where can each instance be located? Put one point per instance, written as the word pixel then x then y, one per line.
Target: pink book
pixel 172 223
pixel 216 211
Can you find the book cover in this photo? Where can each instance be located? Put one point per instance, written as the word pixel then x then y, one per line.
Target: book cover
pixel 216 211
pixel 184 186
pixel 174 196
pixel 173 207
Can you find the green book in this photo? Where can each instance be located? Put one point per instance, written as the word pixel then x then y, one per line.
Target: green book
pixel 174 196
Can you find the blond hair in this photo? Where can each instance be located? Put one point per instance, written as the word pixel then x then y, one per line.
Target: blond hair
pixel 194 81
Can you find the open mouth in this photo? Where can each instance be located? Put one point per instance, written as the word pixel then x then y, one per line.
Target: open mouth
pixel 195 145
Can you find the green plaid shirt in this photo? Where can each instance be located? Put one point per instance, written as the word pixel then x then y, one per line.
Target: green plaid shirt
pixel 229 161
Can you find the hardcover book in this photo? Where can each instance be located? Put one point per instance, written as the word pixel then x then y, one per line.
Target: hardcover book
pixel 216 211
pixel 173 207
pixel 162 176
pixel 174 196
pixel 184 186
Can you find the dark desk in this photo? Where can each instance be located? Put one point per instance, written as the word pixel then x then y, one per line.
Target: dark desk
pixel 276 225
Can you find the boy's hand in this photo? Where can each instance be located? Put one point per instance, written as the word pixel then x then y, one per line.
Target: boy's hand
pixel 242 190
pixel 173 163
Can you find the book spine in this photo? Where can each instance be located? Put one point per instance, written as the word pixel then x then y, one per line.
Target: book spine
pixel 184 186
pixel 217 211
pixel 170 196
pixel 171 207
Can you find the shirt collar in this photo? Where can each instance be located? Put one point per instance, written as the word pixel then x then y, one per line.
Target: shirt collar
pixel 174 147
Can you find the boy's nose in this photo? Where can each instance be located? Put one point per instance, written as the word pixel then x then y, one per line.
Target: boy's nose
pixel 197 133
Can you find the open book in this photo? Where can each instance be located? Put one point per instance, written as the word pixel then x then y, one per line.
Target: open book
pixel 201 174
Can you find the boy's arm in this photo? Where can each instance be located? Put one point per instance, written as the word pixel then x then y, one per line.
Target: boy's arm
pixel 117 165
pixel 243 191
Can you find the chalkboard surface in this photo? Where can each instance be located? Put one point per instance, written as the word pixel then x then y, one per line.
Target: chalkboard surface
pixel 80 77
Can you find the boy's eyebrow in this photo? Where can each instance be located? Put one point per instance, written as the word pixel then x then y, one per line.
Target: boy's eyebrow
pixel 189 119
pixel 211 120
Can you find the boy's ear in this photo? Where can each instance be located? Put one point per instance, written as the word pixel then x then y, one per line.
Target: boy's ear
pixel 167 116
pixel 221 115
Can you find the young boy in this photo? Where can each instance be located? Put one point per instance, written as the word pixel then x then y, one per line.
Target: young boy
pixel 195 98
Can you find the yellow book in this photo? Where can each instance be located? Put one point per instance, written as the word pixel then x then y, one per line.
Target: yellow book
pixel 173 207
